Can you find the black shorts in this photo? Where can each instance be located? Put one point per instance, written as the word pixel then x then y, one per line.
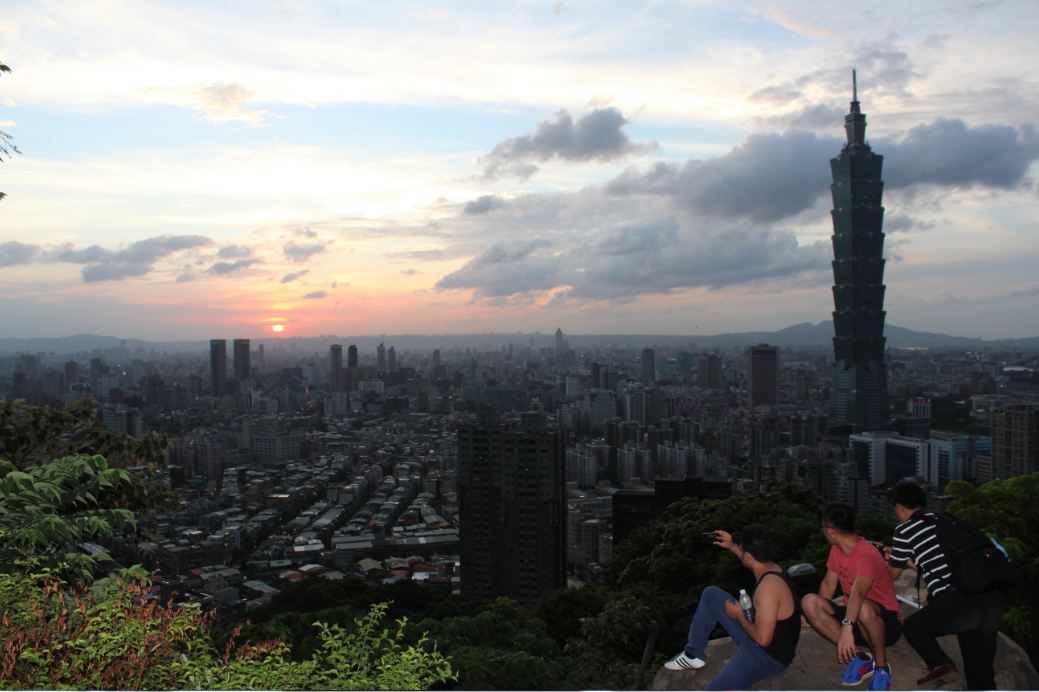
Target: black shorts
pixel 892 625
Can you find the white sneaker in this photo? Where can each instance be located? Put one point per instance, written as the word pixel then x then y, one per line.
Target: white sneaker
pixel 683 662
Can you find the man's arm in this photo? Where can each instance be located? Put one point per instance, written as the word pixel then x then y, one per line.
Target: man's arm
pixel 846 642
pixel 828 587
pixel 767 599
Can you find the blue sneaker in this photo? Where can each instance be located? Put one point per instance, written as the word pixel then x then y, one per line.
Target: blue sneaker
pixel 858 670
pixel 881 678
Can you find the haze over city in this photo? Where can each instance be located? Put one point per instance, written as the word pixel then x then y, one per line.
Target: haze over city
pixel 210 169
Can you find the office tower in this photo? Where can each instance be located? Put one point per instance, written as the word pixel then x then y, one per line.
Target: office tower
pixel 241 359
pixel 511 507
pixel 71 374
pixel 710 371
pixel 380 356
pixel 218 366
pixel 1015 440
pixel 919 407
pixel 763 369
pixel 560 344
pixel 436 357
pixel 884 457
pixel 391 359
pixel 261 363
pixel 594 384
pixel 649 366
pixel 858 386
pixel 351 356
pixel 335 368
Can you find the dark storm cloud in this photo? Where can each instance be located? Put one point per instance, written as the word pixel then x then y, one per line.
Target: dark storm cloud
pixel 316 295
pixel 596 136
pixel 483 204
pixel 225 268
pixel 302 251
pixel 13 253
pixel 234 252
pixel 949 153
pixel 289 278
pixel 136 259
pixel 768 178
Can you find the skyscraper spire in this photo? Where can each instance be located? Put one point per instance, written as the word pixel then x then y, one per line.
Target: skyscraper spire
pixel 855 121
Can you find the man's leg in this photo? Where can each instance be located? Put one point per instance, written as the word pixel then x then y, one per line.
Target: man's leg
pixel 922 628
pixel 872 625
pixel 748 665
pixel 820 615
pixel 710 612
pixel 978 646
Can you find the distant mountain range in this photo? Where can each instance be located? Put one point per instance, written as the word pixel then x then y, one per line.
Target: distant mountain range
pixel 805 334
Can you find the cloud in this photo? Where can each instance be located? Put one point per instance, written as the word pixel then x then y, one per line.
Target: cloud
pixel 767 178
pixel 13 253
pixel 483 204
pixel 234 251
pixel 595 136
pixel 507 269
pixel 225 268
pixel 185 277
pixel 952 154
pixel 773 177
pixel 136 259
pixel 304 233
pixel 316 295
pixel 226 102
pixel 653 257
pixel 409 272
pixel 300 252
pixel 289 278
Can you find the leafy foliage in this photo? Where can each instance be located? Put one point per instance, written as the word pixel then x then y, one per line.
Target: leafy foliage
pixel 1007 511
pixel 7 146
pixel 46 510
pixel 32 435
pixel 111 637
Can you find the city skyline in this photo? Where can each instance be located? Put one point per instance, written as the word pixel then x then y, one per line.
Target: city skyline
pixel 330 169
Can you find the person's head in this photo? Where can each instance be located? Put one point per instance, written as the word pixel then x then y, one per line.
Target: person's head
pixel 757 544
pixel 906 497
pixel 838 520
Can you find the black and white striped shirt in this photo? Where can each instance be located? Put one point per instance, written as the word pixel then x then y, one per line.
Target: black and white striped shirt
pixel 917 539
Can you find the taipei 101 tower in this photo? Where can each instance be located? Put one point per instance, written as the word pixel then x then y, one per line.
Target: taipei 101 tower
pixel 858 387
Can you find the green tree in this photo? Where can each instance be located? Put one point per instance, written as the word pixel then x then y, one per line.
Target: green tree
pixel 7 146
pixel 47 509
pixel 32 435
pixel 1007 511
pixel 113 637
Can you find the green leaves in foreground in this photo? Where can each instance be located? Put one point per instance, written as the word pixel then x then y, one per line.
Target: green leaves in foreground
pixel 114 637
pixel 47 509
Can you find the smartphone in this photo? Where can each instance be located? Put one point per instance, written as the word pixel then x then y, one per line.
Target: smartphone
pixel 710 537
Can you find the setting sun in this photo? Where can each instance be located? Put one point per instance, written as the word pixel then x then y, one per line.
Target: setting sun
pixel 278 328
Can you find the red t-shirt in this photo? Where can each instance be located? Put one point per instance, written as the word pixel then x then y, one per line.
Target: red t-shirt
pixel 864 560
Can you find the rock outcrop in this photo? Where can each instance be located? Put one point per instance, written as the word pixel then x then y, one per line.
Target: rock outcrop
pixel 816 668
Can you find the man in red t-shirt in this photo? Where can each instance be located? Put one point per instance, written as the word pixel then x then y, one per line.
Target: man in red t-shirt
pixel 870 616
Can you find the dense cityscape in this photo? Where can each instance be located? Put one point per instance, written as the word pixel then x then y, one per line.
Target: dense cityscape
pixel 520 395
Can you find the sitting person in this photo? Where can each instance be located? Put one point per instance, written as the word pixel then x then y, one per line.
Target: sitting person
pixel 766 646
pixel 870 615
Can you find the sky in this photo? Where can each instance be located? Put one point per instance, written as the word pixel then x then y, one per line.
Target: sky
pixel 211 168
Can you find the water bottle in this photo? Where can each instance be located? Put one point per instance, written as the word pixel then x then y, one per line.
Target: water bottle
pixel 747 605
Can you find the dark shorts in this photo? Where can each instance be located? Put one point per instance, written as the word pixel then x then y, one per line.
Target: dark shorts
pixel 892 625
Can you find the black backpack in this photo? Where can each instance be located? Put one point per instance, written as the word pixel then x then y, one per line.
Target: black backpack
pixel 977 563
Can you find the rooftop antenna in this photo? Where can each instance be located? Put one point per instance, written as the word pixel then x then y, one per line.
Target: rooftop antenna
pixel 854 86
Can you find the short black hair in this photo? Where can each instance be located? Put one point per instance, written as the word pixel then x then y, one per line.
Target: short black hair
pixel 908 494
pixel 840 516
pixel 759 542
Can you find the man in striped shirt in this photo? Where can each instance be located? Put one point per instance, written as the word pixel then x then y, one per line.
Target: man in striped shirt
pixel 974 619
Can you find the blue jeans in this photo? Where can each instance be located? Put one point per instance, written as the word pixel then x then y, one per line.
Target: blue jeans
pixel 750 663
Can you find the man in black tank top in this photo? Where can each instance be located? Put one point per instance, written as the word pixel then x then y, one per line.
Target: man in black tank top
pixel 766 646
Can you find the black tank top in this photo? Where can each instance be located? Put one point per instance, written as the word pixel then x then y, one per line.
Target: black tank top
pixel 784 640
